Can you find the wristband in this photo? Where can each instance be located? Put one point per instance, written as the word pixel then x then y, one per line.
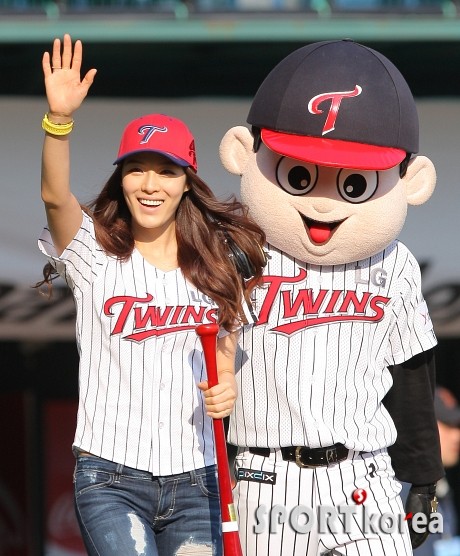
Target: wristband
pixel 56 129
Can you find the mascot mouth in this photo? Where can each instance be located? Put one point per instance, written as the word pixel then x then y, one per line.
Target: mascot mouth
pixel 320 232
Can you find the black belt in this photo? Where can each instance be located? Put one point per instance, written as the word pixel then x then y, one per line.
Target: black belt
pixel 308 457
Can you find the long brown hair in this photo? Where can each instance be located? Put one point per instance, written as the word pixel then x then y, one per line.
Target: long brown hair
pixel 204 226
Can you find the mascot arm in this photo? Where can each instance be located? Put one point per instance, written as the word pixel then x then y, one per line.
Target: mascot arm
pixel 416 454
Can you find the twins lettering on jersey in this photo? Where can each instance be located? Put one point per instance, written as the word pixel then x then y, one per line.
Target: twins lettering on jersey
pixel 304 308
pixel 300 309
pixel 150 320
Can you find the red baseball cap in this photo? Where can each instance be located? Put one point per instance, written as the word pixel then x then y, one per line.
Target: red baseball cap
pixel 161 134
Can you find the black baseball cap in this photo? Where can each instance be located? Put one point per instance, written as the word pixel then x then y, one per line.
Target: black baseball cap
pixel 446 407
pixel 337 103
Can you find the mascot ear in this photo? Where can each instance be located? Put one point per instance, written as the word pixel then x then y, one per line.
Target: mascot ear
pixel 420 180
pixel 235 149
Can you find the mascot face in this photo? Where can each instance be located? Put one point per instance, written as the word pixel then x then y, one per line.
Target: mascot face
pixel 324 215
pixel 319 214
pixel 324 179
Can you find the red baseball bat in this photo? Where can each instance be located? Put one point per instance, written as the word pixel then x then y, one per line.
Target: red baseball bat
pixel 230 537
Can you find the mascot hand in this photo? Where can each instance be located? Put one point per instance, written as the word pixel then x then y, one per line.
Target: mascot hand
pixel 421 499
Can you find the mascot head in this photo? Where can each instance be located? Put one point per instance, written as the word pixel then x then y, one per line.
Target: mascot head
pixel 329 167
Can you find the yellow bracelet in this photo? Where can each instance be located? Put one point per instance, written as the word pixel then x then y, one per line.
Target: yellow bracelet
pixel 56 129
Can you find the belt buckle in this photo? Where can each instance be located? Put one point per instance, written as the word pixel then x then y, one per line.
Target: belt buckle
pixel 330 457
pixel 299 462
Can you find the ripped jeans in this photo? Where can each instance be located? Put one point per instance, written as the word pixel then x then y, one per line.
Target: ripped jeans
pixel 126 512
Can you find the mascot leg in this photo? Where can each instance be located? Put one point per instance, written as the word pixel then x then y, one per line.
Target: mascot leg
pixel 285 510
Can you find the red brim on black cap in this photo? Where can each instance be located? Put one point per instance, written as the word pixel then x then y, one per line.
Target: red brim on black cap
pixel 332 152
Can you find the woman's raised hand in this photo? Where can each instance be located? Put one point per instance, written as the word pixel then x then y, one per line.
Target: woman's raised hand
pixel 65 90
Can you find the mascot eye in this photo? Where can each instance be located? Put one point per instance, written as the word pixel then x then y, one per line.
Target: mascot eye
pixel 296 178
pixel 357 187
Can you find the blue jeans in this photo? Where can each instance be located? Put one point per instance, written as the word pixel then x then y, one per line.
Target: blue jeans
pixel 126 512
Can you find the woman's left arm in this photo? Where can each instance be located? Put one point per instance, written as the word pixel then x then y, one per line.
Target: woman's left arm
pixel 220 399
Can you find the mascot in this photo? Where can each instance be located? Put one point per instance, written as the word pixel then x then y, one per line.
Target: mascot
pixel 336 379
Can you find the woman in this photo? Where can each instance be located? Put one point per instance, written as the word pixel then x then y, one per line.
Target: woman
pixel 153 256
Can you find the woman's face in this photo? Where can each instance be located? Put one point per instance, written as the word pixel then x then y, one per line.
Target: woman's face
pixel 153 187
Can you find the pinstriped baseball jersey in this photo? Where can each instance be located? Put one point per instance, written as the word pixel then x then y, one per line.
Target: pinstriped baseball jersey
pixel 314 370
pixel 140 358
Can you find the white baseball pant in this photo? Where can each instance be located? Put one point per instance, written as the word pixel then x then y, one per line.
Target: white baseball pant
pixel 286 510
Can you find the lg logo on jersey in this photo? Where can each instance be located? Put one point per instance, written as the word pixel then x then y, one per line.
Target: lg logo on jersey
pixel 377 276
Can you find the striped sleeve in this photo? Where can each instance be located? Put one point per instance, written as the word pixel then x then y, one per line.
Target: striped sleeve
pixel 78 264
pixel 412 331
